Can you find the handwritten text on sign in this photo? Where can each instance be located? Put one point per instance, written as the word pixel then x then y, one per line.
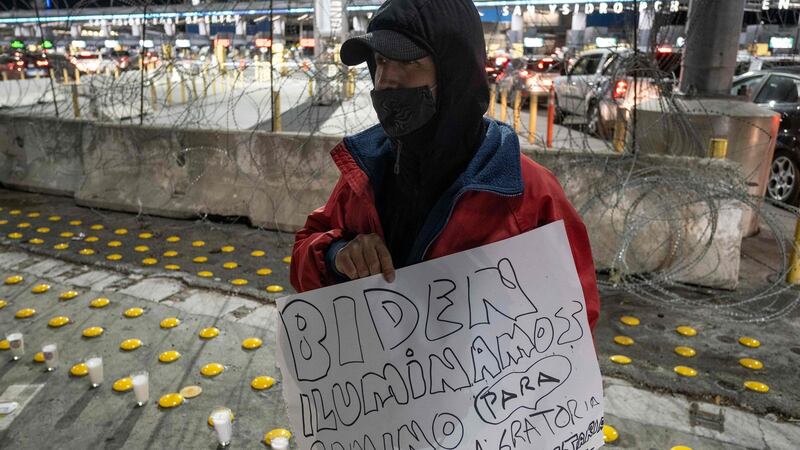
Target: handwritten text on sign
pixel 484 349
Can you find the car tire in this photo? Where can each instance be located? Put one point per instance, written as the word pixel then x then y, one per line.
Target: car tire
pixel 784 177
pixel 592 119
pixel 594 122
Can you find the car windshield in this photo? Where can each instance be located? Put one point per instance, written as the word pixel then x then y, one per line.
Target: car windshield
pixel 779 89
pixel 587 65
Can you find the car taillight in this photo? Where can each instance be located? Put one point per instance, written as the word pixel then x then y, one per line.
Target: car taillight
pixel 42 63
pixel 490 69
pixel 524 74
pixel 620 89
pixel 500 61
pixel 20 63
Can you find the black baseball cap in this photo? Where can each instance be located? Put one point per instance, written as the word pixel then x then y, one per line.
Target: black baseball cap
pixel 391 44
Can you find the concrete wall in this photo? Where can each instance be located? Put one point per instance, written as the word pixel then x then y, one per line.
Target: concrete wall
pixel 276 179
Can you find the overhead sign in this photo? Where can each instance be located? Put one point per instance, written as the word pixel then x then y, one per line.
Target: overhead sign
pixel 781 42
pixel 47 44
pixel 475 350
pixel 501 11
pixel 17 44
pixel 533 42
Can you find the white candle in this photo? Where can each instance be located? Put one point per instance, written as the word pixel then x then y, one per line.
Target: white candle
pixel 141 387
pixel 95 366
pixel 50 356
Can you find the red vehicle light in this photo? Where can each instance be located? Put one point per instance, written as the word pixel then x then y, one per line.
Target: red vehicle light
pixel 501 60
pixel 42 63
pixel 490 69
pixel 547 59
pixel 524 74
pixel 664 50
pixel 620 89
pixel 20 63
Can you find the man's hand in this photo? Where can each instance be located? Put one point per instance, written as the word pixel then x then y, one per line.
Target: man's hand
pixel 364 256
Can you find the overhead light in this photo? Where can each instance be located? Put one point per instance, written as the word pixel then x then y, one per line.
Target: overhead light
pixel 260 19
pixel 303 17
pixel 533 42
pixel 276 18
pixel 605 42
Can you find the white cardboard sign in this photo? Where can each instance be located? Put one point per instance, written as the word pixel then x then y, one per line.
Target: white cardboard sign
pixel 484 349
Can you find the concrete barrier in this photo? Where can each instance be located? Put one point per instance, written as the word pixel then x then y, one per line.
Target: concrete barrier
pixel 41 155
pixel 276 179
pixel 678 218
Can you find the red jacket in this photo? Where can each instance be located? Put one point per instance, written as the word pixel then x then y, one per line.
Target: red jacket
pixel 501 194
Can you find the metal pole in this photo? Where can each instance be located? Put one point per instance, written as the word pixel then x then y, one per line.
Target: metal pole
pixel 534 111
pixel 271 81
pixel 492 100
pixel 503 105
pixel 551 117
pixel 793 276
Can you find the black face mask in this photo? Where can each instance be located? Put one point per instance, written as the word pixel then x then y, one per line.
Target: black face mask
pixel 403 111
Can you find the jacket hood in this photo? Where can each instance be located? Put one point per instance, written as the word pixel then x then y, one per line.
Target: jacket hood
pixel 452 33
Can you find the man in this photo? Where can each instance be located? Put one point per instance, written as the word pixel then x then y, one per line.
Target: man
pixel 435 177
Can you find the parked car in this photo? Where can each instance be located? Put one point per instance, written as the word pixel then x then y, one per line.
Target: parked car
pixel 601 82
pixel 495 66
pixel 778 90
pixel 40 64
pixel 122 59
pixel 12 66
pixel 530 76
pixel 88 62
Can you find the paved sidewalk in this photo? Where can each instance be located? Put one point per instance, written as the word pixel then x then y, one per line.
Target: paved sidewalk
pixel 647 402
